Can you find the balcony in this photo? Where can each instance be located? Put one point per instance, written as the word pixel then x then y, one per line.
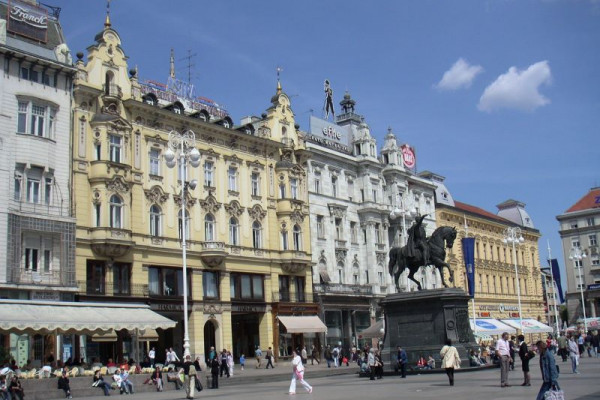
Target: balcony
pixel 49 278
pixel 287 297
pixel 110 242
pixel 340 288
pixel 112 91
pixel 102 289
pixel 340 244
pixel 213 253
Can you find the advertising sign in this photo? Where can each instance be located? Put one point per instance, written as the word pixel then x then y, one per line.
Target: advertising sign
pixel 27 20
pixel 408 156
pixel 330 135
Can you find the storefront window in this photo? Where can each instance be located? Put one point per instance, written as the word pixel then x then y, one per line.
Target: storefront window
pixel 333 320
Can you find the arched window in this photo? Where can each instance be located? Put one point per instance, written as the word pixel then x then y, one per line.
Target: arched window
pixel 209 228
pixel 256 235
pixel 155 220
pixel 284 240
pixel 355 274
pixel 341 277
pixel 234 232
pixel 116 212
pixel 297 238
pixel 108 83
pixel 187 225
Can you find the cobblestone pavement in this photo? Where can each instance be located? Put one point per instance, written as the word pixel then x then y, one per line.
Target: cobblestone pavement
pixel 478 385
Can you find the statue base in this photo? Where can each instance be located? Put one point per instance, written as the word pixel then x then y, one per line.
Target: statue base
pixel 421 322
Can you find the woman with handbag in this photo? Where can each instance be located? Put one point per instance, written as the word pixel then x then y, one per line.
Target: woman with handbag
pixel 525 355
pixel 450 360
pixel 298 374
pixel 550 388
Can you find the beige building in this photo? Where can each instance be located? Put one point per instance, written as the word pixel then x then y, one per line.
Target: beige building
pixel 248 246
pixel 495 278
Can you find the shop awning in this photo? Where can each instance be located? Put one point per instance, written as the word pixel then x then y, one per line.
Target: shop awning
pixel 302 324
pixel 529 325
pixel 82 318
pixel 374 331
pixel 490 326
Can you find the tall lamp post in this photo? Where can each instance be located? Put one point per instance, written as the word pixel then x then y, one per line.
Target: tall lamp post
pixel 513 235
pixel 577 255
pixel 182 146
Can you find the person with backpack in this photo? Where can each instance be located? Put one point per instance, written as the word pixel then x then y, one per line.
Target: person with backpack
pixel 336 356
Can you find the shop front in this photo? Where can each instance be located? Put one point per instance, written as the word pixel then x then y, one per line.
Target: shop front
pixel 245 327
pixel 292 332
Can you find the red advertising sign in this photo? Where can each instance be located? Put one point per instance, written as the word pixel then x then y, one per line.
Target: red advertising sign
pixel 28 20
pixel 408 156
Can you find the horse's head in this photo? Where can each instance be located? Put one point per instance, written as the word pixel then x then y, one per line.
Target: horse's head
pixel 450 237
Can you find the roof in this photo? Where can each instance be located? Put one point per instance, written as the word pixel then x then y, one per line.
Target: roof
pixel 479 211
pixel 589 201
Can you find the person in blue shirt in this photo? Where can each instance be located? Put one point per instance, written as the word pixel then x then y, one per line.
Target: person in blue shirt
pixel 549 371
pixel 402 361
pixel 242 361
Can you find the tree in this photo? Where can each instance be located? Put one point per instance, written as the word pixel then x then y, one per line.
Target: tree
pixel 564 313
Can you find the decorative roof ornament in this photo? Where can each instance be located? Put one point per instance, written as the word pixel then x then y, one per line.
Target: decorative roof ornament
pixel 279 70
pixel 107 23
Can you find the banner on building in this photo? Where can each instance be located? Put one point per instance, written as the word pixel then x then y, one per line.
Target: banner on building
pixel 408 156
pixel 468 248
pixel 556 275
pixel 25 19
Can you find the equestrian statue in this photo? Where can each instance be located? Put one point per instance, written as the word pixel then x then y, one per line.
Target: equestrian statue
pixel 421 251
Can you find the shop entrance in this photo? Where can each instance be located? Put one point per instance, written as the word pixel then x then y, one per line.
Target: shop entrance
pixel 244 328
pixel 209 337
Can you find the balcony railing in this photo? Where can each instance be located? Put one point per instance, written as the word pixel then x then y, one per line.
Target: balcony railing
pixel 339 288
pixel 113 90
pixel 108 289
pixel 49 278
pixel 213 246
pixel 288 297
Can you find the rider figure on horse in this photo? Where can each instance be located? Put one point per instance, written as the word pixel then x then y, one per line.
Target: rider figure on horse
pixel 417 240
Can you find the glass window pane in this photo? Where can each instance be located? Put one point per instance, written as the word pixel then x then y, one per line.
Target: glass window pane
pixel 257 286
pixel 246 288
pixel 153 282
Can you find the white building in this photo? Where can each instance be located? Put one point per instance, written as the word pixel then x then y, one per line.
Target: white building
pixel 352 191
pixel 37 228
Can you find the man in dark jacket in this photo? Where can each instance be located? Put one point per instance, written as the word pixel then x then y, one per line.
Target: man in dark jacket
pixel 402 361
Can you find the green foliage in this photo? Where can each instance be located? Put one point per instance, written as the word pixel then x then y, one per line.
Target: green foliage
pixel 564 313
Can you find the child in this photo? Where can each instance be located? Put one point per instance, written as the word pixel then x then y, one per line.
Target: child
pixel 242 361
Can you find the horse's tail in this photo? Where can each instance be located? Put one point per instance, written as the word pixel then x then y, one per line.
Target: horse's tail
pixel 393 259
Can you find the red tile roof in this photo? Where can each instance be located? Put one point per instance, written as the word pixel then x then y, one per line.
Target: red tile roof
pixel 478 211
pixel 587 202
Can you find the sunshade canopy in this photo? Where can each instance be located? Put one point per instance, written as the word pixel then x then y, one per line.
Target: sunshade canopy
pixel 529 325
pixel 374 331
pixel 302 324
pixel 83 318
pixel 491 326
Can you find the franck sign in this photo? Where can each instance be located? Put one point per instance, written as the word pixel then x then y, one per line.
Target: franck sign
pixel 27 20
pixel 330 135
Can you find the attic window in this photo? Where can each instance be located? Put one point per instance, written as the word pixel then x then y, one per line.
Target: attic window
pixel 226 124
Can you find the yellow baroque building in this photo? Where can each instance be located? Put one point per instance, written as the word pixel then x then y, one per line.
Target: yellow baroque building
pixel 495 278
pixel 248 246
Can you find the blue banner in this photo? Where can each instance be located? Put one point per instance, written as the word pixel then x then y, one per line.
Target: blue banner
pixel 556 274
pixel 468 248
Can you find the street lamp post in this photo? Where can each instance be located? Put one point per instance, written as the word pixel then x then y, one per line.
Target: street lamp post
pixel 577 255
pixel 183 146
pixel 513 235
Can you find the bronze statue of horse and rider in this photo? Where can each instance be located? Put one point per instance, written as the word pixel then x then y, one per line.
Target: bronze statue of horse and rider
pixel 422 251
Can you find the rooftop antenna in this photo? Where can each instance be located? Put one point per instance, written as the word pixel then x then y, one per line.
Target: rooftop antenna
pixel 279 70
pixel 190 64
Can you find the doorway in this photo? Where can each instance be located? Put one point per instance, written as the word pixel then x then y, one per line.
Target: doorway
pixel 245 337
pixel 209 337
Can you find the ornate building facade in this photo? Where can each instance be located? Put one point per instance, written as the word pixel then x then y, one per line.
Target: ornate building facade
pixel 495 278
pixel 247 224
pixel 352 190
pixel 37 226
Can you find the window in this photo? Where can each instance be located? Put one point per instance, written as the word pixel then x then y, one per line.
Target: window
pixel 300 283
pixel 232 179
pixel 166 282
pixel 339 229
pixel 33 190
pixel 380 277
pixel 341 273
pixel 353 232
pixel 97 208
pixel 317 183
pixel 98 152
pixel 284 288
pixel 575 243
pixel 294 188
pixel 364 236
pixel 256 235
pixel 595 261
pixel 357 149
pixel 209 174
pixel 320 227
pixel 367 277
pixel 234 232
pixel 375 195
pixel 121 278
pixel 350 190
pixel 115 148
pixel 334 188
pixel 591 221
pixel 578 263
pixel 95 277
pixel 378 233
pixel 116 212
pixel 48 191
pixel 29 74
pixel 281 191
pixel 573 224
pixel 31 259
pixel 210 284
pixel 209 228
pixel 284 240
pixel 246 287
pixel 593 240
pixel 362 195
pixel 255 183
pixel 297 238
pixel 154 162
pixel 17 187
pixel 155 220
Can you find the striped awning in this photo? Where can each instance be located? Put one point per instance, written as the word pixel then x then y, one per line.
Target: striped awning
pixel 81 318
pixel 308 324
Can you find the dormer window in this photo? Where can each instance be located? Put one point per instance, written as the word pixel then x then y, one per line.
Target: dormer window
pixel 226 124
pixel 150 99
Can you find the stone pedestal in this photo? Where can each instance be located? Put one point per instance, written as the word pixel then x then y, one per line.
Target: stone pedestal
pixel 421 321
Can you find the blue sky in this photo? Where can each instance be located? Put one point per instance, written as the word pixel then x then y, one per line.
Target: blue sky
pixel 501 97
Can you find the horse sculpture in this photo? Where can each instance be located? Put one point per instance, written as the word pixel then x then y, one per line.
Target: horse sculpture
pixel 441 238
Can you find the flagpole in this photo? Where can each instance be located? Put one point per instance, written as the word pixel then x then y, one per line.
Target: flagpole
pixel 472 298
pixel 554 287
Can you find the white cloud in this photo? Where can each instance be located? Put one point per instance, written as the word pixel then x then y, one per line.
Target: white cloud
pixel 517 89
pixel 459 76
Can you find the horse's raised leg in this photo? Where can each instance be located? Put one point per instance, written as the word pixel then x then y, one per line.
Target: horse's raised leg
pixel 412 278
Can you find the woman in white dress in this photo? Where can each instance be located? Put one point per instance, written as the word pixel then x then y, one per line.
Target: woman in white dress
pixel 298 374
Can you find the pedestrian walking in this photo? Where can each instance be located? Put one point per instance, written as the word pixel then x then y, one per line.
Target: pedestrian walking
pixel 224 365
pixel 189 370
pixel 580 344
pixel 152 356
pixel 242 361
pixel 574 354
pixel 269 357
pixel 298 374
pixel 596 343
pixel 562 347
pixel 450 360
pixel 214 372
pixel 304 355
pixel 230 363
pixel 328 356
pixel 503 353
pixel 549 371
pixel 314 354
pixel 372 363
pixel 525 355
pixel 378 365
pixel 258 355
pixel 336 355
pixel 402 361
